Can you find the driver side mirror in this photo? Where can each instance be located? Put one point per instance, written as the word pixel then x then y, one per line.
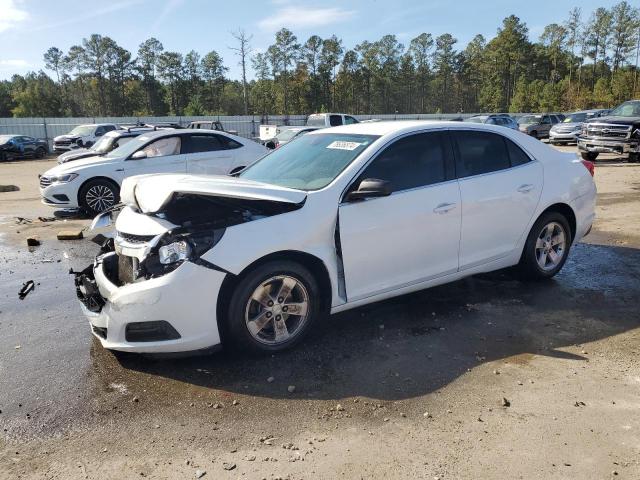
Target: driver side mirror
pixel 370 188
pixel 140 154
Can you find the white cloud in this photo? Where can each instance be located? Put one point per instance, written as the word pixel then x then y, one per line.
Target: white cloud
pixel 304 17
pixel 11 14
pixel 89 15
pixel 13 64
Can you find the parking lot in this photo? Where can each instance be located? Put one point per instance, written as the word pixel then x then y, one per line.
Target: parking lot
pixel 486 378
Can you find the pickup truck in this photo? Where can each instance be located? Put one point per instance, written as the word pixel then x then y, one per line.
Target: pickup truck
pixel 211 125
pixel 82 136
pixel 320 120
pixel 618 132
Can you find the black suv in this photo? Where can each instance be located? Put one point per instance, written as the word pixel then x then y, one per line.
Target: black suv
pixel 618 132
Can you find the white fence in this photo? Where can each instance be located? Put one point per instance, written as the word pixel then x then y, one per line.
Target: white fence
pixel 246 125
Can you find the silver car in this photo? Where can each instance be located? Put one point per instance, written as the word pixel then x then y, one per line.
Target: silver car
pixel 568 131
pixel 501 119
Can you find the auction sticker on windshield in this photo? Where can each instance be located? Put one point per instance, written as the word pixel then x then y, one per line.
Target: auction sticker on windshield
pixel 340 145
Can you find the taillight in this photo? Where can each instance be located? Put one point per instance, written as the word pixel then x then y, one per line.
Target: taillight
pixel 589 166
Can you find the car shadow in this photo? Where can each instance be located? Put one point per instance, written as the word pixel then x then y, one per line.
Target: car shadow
pixel 415 344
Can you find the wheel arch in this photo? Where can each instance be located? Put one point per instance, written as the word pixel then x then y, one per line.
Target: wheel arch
pixel 100 177
pixel 565 210
pixel 314 264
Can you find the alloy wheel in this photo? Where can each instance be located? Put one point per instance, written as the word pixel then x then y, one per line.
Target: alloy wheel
pixel 277 310
pixel 100 197
pixel 550 246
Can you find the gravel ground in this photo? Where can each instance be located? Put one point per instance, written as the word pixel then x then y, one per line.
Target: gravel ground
pixel 484 378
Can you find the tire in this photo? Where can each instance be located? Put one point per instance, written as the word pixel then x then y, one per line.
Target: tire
pixel 634 158
pixel 536 263
pixel 3 157
pixel 97 195
pixel 40 152
pixel 88 144
pixel 534 134
pixel 591 156
pixel 255 299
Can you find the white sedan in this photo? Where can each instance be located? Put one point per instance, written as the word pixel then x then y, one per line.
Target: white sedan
pixel 341 217
pixel 93 184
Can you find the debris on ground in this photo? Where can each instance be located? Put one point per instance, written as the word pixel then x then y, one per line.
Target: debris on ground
pixel 33 241
pixel 579 404
pixel 9 188
pixel 505 402
pixel 46 219
pixel 70 235
pixel 228 465
pixel 200 473
pixel 22 221
pixel 27 287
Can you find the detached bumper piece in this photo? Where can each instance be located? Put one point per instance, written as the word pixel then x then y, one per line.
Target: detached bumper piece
pixel 87 289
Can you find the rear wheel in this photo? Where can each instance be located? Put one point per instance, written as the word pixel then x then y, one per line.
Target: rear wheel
pixel 591 156
pixel 634 157
pixel 98 195
pixel 272 307
pixel 547 247
pixel 40 152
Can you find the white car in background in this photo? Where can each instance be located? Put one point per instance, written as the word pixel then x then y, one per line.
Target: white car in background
pixel 341 217
pixel 93 184
pixel 82 136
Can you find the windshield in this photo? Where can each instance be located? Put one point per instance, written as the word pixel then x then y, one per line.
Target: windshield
pixel 286 135
pixel 476 119
pixel 311 162
pixel 5 138
pixel 530 119
pixel 82 130
pixel 627 109
pixel 575 118
pixel 129 147
pixel 103 145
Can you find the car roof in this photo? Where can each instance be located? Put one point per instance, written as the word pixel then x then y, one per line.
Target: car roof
pixel 397 127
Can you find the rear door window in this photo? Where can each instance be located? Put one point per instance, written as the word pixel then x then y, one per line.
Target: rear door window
pixel 203 143
pixel 479 152
pixel 516 154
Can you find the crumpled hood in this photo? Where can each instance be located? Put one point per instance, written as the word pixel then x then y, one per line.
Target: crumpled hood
pixel 65 137
pixel 151 192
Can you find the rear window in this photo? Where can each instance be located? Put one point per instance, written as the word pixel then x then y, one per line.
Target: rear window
pixel 315 121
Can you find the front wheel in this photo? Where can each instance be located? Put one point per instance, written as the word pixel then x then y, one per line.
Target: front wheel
pixel 547 247
pixel 591 156
pixel 634 157
pixel 40 152
pixel 98 195
pixel 273 307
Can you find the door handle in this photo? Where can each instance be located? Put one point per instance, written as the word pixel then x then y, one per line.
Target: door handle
pixel 526 188
pixel 444 208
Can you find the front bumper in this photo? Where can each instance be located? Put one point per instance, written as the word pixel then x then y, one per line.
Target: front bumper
pixel 598 145
pixel 186 298
pixel 60 195
pixel 563 136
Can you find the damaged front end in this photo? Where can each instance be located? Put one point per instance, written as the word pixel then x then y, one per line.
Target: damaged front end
pixel 136 290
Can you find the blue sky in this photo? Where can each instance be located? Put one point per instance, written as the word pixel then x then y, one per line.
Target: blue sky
pixel 29 27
